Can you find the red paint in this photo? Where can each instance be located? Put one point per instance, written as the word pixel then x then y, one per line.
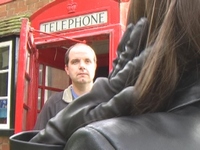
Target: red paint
pixel 26 94
pixel 20 90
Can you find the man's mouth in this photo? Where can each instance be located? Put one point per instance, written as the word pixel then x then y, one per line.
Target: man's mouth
pixel 82 74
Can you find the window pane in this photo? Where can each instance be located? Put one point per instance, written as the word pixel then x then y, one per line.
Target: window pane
pixel 4 57
pixel 24 120
pixel 27 62
pixel 56 78
pixel 39 104
pixel 26 92
pixel 41 68
pixel 47 94
pixel 3 84
pixel 3 111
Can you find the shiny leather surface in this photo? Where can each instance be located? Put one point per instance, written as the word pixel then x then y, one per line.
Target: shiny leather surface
pixel 179 130
pixel 176 129
pixel 20 141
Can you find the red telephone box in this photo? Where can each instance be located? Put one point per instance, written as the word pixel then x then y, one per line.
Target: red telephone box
pixel 44 41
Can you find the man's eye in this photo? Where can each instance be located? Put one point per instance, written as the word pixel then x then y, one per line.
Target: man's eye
pixel 75 62
pixel 88 61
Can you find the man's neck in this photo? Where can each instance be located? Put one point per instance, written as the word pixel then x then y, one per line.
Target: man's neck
pixel 81 89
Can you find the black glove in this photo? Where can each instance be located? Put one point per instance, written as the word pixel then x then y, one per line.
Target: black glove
pixel 83 111
pixel 133 42
pixel 127 65
pixel 121 49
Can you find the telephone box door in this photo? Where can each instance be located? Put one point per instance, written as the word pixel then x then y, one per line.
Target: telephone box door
pixel 26 72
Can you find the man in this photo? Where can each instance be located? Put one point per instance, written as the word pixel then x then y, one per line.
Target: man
pixel 80 65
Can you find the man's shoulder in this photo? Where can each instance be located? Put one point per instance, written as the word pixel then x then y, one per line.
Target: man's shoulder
pixel 57 94
pixel 55 97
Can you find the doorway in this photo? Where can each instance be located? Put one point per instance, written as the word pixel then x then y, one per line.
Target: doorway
pixel 52 76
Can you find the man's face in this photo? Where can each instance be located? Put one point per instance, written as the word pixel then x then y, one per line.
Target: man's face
pixel 81 67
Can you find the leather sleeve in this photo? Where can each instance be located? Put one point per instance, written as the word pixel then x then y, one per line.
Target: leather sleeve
pixel 81 113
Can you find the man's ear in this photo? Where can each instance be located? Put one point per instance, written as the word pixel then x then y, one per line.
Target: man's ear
pixel 66 69
pixel 95 66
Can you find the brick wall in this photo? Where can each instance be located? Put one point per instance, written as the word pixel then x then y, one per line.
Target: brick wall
pixel 20 7
pixel 4 143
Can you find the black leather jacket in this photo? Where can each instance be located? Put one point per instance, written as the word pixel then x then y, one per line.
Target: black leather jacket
pixel 176 129
pixel 184 113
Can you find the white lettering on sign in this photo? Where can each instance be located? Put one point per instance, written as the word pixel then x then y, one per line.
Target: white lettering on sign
pixel 75 22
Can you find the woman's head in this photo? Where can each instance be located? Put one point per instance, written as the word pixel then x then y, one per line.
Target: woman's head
pixel 184 13
pixel 175 39
pixel 153 10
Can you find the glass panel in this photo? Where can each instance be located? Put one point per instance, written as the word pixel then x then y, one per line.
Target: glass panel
pixel 39 105
pixel 47 94
pixel 56 78
pixel 26 92
pixel 27 62
pixel 4 57
pixel 4 84
pixel 40 74
pixel 24 119
pixel 3 111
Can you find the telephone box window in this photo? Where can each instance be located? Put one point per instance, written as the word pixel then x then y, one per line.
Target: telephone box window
pixel 5 83
pixel 50 80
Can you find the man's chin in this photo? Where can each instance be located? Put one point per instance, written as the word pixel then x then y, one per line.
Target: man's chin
pixel 83 81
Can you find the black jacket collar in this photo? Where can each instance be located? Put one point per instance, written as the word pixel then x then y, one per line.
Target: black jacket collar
pixel 188 91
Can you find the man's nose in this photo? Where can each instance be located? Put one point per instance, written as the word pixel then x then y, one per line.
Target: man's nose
pixel 82 65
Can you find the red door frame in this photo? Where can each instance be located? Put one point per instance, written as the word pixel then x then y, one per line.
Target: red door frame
pixel 25 96
pixel 21 76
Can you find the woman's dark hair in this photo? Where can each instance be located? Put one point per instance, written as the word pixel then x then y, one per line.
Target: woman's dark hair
pixel 175 39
